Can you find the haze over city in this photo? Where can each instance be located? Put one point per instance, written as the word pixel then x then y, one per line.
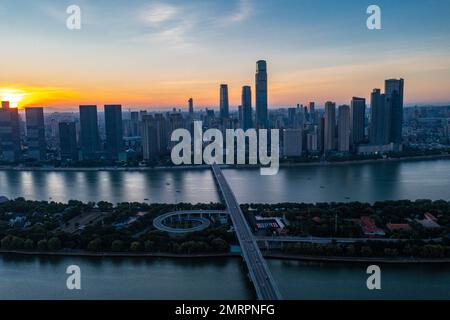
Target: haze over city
pixel 157 54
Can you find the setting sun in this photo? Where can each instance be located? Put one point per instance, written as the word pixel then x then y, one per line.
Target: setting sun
pixel 14 96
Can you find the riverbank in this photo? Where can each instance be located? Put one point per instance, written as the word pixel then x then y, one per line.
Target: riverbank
pixel 381 260
pixel 343 163
pixel 267 255
pixel 202 167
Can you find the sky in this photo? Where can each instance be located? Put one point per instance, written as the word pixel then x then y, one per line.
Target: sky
pixel 158 54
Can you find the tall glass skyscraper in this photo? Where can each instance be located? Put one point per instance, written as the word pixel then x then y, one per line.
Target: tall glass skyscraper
pixel 10 149
pixel 261 95
pixel 68 141
pixel 394 96
pixel 191 107
pixel 114 131
pixel 380 119
pixel 344 128
pixel 358 117
pixel 247 107
pixel 224 104
pixel 330 127
pixel 35 133
pixel 89 136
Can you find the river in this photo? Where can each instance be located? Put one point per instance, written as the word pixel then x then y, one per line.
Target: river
pixel 368 182
pixel 23 277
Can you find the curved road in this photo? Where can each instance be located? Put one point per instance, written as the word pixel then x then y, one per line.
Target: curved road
pixel 205 223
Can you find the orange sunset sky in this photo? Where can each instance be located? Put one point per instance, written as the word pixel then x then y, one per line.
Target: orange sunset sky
pixel 158 54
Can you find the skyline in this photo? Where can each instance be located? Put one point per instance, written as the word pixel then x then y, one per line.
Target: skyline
pixel 149 54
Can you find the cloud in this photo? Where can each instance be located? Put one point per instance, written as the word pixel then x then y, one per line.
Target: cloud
pixel 183 26
pixel 167 25
pixel 243 12
pixel 157 14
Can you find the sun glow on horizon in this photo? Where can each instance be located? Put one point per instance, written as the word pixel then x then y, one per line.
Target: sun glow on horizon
pixel 14 96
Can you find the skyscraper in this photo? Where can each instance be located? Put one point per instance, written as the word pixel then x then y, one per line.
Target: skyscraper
pixel 292 142
pixel 312 112
pixel 135 124
pixel 247 113
pixel 191 107
pixel 10 148
pixel 224 104
pixel 89 136
pixel 394 96
pixel 37 147
pixel 154 136
pixel 321 135
pixel 292 117
pixel 344 129
pixel 358 116
pixel 312 107
pixel 330 127
pixel 380 119
pixel 68 141
pixel 261 95
pixel 114 131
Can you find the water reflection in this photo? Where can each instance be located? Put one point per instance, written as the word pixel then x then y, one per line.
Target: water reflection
pixel 341 183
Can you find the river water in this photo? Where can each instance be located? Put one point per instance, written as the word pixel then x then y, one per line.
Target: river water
pixel 224 278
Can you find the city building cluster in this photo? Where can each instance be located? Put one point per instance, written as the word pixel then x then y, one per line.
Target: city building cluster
pixel 306 130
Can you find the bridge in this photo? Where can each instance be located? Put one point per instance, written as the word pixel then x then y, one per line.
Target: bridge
pixel 265 286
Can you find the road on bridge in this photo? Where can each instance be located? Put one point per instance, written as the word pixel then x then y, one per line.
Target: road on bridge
pixel 265 286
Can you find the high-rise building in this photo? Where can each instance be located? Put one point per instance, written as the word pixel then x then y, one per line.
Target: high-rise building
pixel 358 117
pixel 191 107
pixel 292 142
pixel 321 135
pixel 380 119
pixel 394 96
pixel 330 127
pixel 261 95
pixel 224 103
pixel 292 117
pixel 240 116
pixel 247 113
pixel 312 112
pixel 154 136
pixel 89 136
pixel 312 140
pixel 68 141
pixel 10 147
pixel 344 129
pixel 114 131
pixel 134 124
pixel 35 133
pixel 312 107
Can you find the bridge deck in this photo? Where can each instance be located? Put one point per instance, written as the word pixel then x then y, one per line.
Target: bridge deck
pixel 266 288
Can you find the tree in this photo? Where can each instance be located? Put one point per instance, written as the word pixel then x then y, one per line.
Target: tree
pixel 366 251
pixel 135 246
pixel 42 245
pixel 220 245
pixel 95 245
pixel 6 243
pixel 54 244
pixel 17 243
pixel 117 246
pixel 149 246
pixel 351 250
pixel 28 245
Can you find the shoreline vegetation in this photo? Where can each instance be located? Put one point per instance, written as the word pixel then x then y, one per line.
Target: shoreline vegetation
pixel 410 231
pixel 267 255
pixel 205 166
